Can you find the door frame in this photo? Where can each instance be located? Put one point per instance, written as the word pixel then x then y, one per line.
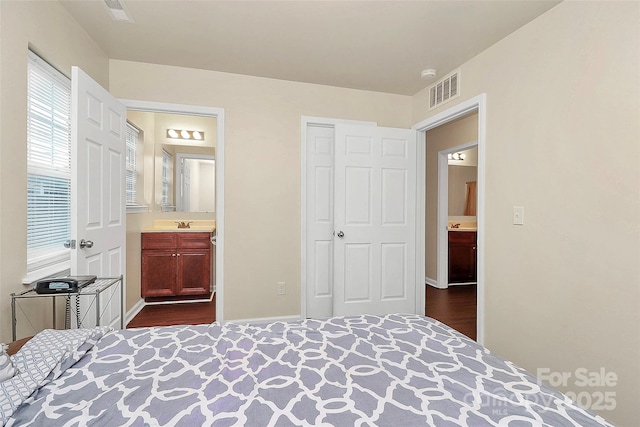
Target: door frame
pixel 475 104
pixel 218 113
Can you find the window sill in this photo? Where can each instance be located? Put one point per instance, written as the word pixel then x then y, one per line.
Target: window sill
pixel 137 209
pixel 59 269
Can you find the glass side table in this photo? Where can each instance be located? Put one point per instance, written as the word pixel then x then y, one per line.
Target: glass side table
pixel 94 291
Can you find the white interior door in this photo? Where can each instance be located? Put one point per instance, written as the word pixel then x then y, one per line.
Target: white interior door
pixel 98 219
pixel 375 220
pixel 361 185
pixel 319 221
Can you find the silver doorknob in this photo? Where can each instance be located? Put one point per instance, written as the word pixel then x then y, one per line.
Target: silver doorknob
pixel 340 234
pixel 88 244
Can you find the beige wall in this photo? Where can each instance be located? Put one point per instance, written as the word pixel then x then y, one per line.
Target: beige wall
pixel 458 132
pixel 563 291
pixel 52 33
pixel 262 166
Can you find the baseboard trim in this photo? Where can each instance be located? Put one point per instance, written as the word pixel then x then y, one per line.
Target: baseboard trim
pixel 183 301
pixel 433 283
pixel 137 308
pixel 264 320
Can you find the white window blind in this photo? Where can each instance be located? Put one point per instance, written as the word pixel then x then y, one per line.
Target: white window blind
pixel 131 178
pixel 48 164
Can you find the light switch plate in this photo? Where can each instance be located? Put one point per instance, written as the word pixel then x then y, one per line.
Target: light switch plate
pixel 518 215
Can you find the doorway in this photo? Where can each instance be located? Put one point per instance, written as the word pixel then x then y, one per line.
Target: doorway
pixel 473 105
pixel 218 114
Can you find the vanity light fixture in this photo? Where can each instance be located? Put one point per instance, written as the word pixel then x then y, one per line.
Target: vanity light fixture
pixel 185 134
pixel 456 156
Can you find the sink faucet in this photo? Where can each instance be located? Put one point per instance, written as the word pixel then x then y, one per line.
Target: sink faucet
pixel 183 224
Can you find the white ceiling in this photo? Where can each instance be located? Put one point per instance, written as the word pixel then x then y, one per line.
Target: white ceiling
pixel 373 45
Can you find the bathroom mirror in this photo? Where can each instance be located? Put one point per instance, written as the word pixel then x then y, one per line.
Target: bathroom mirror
pixel 178 173
pixel 188 183
pixel 463 175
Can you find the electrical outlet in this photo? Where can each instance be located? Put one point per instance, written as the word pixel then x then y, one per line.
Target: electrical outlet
pixel 282 288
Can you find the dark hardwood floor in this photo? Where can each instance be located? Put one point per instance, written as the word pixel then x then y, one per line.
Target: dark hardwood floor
pixel 175 314
pixel 454 306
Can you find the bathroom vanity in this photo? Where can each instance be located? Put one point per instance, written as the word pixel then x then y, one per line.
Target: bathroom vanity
pixel 462 256
pixel 177 262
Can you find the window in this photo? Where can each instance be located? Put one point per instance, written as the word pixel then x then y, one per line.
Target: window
pixel 131 178
pixel 167 179
pixel 48 164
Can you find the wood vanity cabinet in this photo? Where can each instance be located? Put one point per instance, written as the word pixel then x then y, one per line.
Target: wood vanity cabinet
pixel 176 264
pixel 462 256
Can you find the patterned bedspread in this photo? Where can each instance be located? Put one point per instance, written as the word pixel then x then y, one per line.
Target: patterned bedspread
pixel 395 370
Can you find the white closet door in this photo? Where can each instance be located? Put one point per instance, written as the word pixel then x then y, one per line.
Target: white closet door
pixel 319 221
pixel 98 218
pixel 375 223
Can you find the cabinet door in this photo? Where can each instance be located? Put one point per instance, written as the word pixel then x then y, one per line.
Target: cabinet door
pixel 194 271
pixel 159 270
pixel 462 257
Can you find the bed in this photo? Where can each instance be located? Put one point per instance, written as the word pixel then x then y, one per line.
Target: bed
pixel 405 370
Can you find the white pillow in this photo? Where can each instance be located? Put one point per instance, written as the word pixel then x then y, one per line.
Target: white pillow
pixel 7 369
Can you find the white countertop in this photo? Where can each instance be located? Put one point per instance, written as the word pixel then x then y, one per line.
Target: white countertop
pixel 195 226
pixel 462 226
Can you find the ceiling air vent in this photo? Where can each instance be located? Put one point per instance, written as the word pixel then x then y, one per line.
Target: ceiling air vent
pixel 444 90
pixel 118 11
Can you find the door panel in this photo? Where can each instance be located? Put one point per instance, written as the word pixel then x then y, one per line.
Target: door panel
pixel 394 264
pixel 98 189
pixel 357 198
pixel 357 273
